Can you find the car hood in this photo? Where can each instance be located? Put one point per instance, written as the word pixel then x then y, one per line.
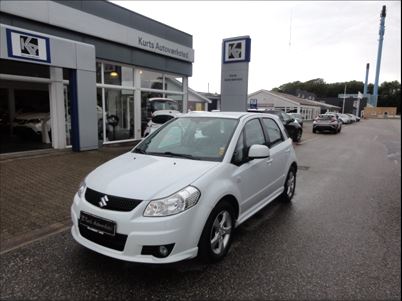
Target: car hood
pixel 146 177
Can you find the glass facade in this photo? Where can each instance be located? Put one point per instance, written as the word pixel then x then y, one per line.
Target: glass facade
pixel 116 98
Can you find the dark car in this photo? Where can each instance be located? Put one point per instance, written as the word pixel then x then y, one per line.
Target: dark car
pixel 298 117
pixel 327 122
pixel 293 128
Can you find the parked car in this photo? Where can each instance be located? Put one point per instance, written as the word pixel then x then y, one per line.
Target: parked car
pixel 327 122
pixel 182 191
pixel 345 119
pixel 155 104
pixel 352 117
pixel 298 117
pixel 158 119
pixel 293 128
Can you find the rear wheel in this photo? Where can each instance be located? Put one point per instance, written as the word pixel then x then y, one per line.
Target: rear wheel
pixel 290 185
pixel 216 237
pixel 314 131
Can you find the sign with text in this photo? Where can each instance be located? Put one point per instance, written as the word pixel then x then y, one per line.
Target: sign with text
pixel 234 73
pixel 28 46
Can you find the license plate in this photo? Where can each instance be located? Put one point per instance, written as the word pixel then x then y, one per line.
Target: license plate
pixel 97 224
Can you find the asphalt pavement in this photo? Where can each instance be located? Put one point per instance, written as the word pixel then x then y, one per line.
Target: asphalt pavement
pixel 340 239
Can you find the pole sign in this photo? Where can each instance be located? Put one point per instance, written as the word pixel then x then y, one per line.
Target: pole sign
pixel 234 73
pixel 27 46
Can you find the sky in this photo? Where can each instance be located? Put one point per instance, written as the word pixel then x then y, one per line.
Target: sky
pixel 290 40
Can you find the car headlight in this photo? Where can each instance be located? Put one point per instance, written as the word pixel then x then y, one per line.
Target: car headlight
pixel 176 203
pixel 81 189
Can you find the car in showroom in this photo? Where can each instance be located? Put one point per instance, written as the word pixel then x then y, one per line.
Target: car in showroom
pixel 294 129
pixel 158 119
pixel 182 190
pixel 29 126
pixel 327 123
pixel 298 117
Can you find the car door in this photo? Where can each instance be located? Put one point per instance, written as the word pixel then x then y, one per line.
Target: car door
pixel 252 176
pixel 280 148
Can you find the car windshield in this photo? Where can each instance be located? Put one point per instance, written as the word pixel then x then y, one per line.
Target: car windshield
pixel 198 138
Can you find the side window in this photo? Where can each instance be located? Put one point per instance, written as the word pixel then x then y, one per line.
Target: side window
pixel 253 133
pixel 285 116
pixel 238 155
pixel 273 131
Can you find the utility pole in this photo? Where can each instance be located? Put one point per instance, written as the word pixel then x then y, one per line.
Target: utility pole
pixel 366 81
pixel 344 96
pixel 380 40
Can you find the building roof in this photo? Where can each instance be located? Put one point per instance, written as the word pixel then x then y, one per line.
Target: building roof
pixel 296 100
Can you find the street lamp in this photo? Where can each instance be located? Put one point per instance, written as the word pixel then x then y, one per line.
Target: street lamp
pixel 344 96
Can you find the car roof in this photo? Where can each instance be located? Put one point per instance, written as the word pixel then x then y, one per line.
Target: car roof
pixel 233 115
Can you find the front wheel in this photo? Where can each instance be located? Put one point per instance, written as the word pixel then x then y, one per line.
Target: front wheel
pixel 298 136
pixel 290 185
pixel 217 234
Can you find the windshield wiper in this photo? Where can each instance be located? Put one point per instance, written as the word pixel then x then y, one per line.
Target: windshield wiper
pixel 177 155
pixel 139 150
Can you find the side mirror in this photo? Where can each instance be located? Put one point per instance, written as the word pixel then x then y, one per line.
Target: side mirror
pixel 258 151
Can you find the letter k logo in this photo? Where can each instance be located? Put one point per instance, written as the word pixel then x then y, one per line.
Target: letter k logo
pixel 235 50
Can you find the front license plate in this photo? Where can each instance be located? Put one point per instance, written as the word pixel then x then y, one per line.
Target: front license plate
pixel 97 224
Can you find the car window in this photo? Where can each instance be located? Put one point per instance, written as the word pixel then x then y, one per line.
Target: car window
pixel 253 133
pixel 161 119
pixel 273 131
pixel 200 138
pixel 285 116
pixel 239 154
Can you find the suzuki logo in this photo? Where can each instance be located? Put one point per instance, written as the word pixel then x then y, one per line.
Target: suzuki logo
pixel 103 201
pixel 29 45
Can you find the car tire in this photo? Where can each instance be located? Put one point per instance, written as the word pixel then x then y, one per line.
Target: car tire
pixel 298 135
pixel 290 186
pixel 314 131
pixel 216 237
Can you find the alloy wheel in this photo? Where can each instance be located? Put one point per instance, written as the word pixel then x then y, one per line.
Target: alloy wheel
pixel 220 232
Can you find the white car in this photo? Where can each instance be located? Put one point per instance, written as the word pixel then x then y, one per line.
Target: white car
pixel 158 119
pixel 345 119
pixel 182 191
pixel 30 125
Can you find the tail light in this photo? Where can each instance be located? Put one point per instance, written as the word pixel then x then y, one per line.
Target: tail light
pixel 333 119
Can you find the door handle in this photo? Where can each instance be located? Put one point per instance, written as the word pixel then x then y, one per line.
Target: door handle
pixel 269 161
pixel 287 150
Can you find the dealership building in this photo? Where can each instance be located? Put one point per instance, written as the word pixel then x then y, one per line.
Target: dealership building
pixel 80 73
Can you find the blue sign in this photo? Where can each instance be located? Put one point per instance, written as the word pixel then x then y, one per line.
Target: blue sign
pixel 28 46
pixel 253 103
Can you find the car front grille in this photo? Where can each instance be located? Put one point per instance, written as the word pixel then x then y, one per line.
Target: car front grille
pixel 110 202
pixel 116 242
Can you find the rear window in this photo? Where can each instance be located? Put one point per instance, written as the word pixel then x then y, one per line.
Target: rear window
pixel 326 117
pixel 160 119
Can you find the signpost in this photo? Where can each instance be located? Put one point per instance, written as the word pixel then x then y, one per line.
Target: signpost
pixel 234 74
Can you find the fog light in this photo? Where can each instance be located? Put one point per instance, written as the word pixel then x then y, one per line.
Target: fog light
pixel 163 251
pixel 157 251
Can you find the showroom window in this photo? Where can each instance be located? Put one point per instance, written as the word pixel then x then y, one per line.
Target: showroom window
pixel 116 98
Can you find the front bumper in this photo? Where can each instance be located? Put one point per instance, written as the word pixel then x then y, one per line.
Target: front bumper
pixel 180 230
